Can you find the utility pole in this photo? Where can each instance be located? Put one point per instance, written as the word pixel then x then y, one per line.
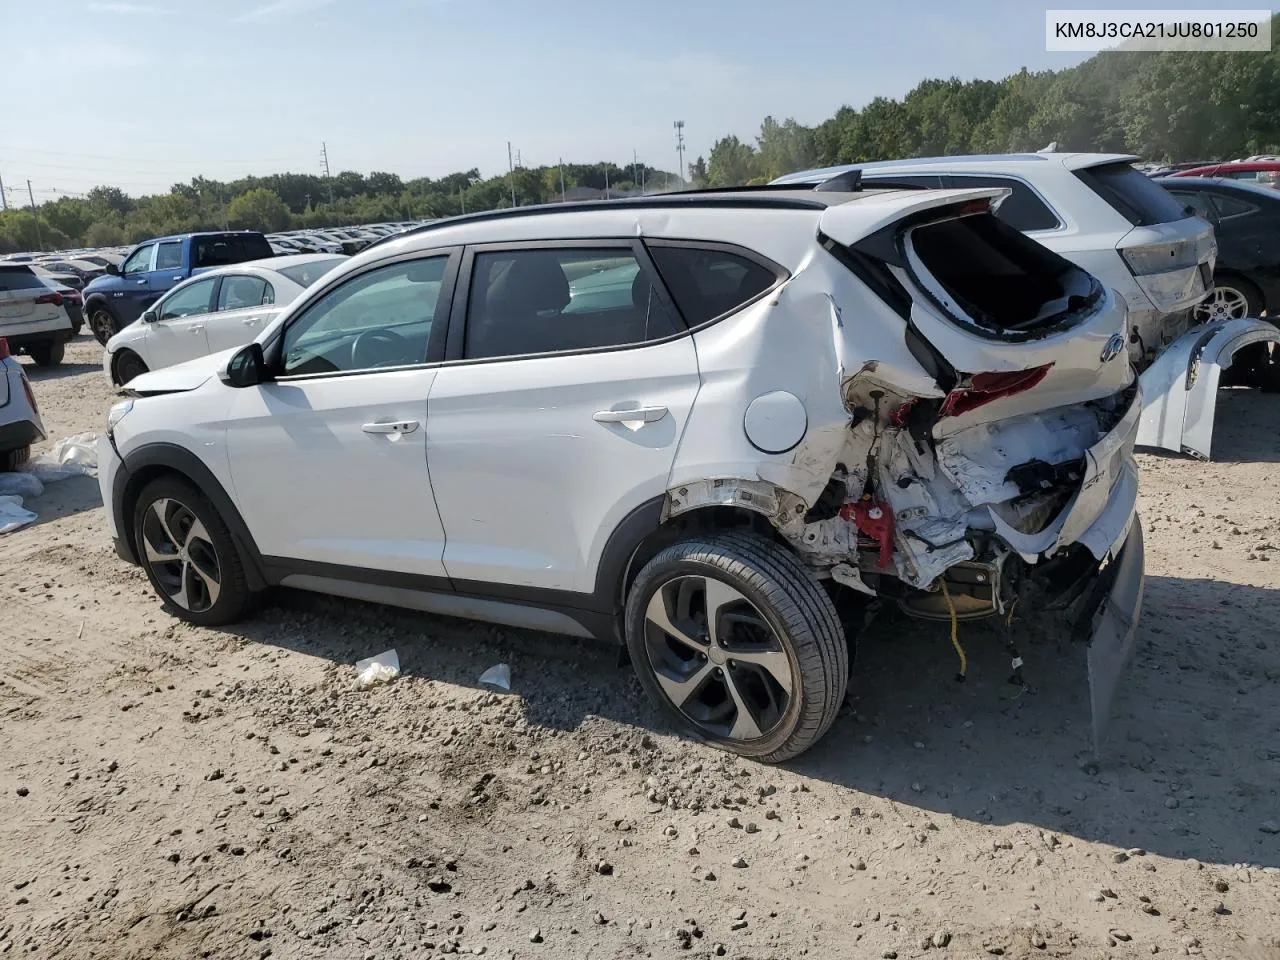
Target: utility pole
pixel 562 179
pixel 635 164
pixel 462 200
pixel 606 181
pixel 324 160
pixel 4 204
pixel 511 173
pixel 35 215
pixel 679 125
pixel 31 196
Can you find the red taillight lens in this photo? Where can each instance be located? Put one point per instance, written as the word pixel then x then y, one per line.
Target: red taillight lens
pixel 54 298
pixel 4 348
pixel 986 387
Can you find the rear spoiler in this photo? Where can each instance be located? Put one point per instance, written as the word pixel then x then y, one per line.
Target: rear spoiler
pixel 848 223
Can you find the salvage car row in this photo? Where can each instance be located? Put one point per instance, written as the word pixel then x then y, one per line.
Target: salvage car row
pixel 743 415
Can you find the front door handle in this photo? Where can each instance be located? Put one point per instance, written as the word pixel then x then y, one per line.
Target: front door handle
pixel 392 426
pixel 142 283
pixel 641 414
pixel 197 328
pixel 251 321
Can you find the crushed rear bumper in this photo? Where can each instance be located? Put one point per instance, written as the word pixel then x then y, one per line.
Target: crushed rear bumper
pixel 1180 389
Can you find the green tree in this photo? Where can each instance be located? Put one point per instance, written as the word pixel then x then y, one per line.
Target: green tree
pixel 258 209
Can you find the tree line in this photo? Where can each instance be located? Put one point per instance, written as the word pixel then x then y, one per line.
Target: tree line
pixel 1163 106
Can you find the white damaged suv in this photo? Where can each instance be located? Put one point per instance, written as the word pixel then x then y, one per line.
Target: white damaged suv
pixel 692 423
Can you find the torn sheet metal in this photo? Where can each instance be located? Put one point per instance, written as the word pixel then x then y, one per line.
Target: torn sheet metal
pixel 1180 388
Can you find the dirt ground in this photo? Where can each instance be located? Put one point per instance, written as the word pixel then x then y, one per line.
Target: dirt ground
pixel 167 791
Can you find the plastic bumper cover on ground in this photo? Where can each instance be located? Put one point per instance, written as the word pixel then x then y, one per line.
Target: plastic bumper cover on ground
pixel 1180 389
pixel 1115 630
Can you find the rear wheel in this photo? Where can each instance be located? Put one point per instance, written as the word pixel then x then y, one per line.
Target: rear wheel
pixel 1232 298
pixel 739 644
pixel 47 354
pixel 128 365
pixel 13 459
pixel 189 555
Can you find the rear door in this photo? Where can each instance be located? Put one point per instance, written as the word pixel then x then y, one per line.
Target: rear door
pixel 178 333
pixel 245 304
pixel 135 293
pixel 568 386
pixel 169 268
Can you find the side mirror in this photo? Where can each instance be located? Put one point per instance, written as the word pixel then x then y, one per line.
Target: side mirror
pixel 149 316
pixel 112 269
pixel 247 367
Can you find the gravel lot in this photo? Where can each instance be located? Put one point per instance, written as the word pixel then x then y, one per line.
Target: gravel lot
pixel 167 791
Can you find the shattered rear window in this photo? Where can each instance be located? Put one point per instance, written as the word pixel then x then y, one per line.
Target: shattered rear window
pixel 1002 280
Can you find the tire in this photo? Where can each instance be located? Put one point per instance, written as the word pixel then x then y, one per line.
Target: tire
pixel 1232 297
pixel 47 354
pixel 13 459
pixel 103 323
pixel 782 615
pixel 205 583
pixel 126 366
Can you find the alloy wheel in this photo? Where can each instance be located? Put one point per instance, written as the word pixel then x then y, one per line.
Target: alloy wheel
pixel 716 658
pixel 181 555
pixel 1225 303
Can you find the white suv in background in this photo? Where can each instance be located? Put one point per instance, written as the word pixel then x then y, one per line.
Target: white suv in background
pixel 1096 210
pixel 32 316
pixel 693 423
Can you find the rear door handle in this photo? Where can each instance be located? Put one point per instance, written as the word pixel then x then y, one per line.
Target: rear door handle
pixel 142 283
pixel 641 414
pixel 251 321
pixel 392 426
pixel 197 327
pixel 176 279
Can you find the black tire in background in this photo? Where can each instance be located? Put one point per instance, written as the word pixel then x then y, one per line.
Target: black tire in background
pixel 126 366
pixel 204 583
pixel 775 592
pixel 13 459
pixel 48 354
pixel 102 323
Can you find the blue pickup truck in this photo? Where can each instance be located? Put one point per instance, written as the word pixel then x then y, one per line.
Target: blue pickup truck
pixel 114 301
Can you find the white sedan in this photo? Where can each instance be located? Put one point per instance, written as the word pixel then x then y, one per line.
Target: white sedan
pixel 212 311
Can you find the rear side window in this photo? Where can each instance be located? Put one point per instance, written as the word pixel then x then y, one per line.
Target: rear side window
pixel 19 278
pixel 238 293
pixel 169 255
pixel 707 283
pixel 1232 206
pixel 1197 201
pixel 998 278
pixel 1022 209
pixel 547 301
pixel 1134 196
pixel 219 251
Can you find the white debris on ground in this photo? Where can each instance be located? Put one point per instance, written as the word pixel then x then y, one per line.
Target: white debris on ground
pixel 497 678
pixel 12 514
pixel 75 456
pixel 372 671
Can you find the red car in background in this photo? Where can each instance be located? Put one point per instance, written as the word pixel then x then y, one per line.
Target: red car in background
pixel 1264 171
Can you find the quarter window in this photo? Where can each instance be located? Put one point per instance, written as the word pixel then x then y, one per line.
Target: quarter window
pixel 188 301
pixel 237 293
pixel 706 283
pixel 1232 206
pixel 378 319
pixel 1022 209
pixel 1198 202
pixel 140 261
pixel 546 301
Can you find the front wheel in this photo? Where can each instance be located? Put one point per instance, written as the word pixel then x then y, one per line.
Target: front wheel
pixel 189 555
pixel 739 644
pixel 102 323
pixel 127 366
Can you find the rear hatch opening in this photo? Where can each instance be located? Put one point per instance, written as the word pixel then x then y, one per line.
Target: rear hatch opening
pixel 989 277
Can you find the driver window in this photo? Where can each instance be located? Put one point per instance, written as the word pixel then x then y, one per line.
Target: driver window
pixel 379 319
pixel 140 262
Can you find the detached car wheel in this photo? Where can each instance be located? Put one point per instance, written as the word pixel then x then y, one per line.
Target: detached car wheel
pixel 739 644
pixel 189 555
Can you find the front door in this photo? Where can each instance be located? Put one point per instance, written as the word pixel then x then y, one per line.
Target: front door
pixel 245 307
pixel 134 294
pixel 178 332
pixel 329 461
pixel 565 415
pixel 168 268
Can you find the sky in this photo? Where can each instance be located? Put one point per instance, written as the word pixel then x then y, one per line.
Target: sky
pixel 141 94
